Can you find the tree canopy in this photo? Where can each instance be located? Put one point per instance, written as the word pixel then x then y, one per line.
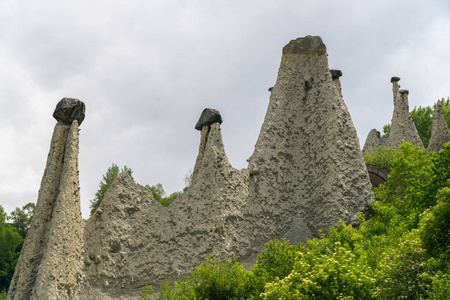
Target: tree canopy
pixel 10 245
pixel 21 217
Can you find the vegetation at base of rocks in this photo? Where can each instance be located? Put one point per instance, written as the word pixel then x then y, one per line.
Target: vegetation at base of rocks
pixel 106 183
pixel 381 157
pixel 11 243
pixel 3 295
pixel 423 119
pixel 402 252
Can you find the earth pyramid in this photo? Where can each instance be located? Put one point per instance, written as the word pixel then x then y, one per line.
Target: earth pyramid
pixel 440 134
pixel 306 173
pixel 402 124
pixel 50 263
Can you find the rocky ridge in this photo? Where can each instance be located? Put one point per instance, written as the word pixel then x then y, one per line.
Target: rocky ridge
pixel 306 173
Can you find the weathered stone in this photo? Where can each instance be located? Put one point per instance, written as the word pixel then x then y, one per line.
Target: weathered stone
pixel 50 262
pixel 69 109
pixel 209 116
pixel 306 45
pixel 312 172
pixel 402 124
pixel 377 175
pixel 373 141
pixel 440 133
pixel 306 173
pixel 335 74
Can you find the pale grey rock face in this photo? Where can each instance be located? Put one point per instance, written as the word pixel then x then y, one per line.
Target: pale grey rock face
pixel 402 124
pixel 309 170
pixel 132 240
pixel 373 141
pixel 306 173
pixel 440 134
pixel 50 263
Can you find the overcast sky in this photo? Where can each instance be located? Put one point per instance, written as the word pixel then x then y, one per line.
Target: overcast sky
pixel 147 69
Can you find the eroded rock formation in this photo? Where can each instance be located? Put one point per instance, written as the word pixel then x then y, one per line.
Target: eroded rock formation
pixel 306 173
pixel 50 262
pixel 402 124
pixel 440 134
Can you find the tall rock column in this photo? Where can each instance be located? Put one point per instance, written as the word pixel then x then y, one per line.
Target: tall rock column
pixel 402 124
pixel 49 265
pixel 307 170
pixel 440 134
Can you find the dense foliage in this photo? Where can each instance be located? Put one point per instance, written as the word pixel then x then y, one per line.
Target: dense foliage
pixel 423 119
pixel 402 252
pixel 106 183
pixel 381 157
pixel 10 245
pixel 21 217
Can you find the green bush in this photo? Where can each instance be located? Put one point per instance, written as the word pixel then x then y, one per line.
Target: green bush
pixel 3 295
pixel 435 227
pixel 381 157
pixel 402 271
pixel 213 279
pixel 402 199
pixel 335 275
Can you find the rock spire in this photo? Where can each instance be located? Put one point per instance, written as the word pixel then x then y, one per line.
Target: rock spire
pixel 307 170
pixel 440 134
pixel 306 173
pixel 402 124
pixel 50 262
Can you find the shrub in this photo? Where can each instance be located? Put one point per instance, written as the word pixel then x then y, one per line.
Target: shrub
pixel 402 272
pixel 335 275
pixel 213 279
pixel 435 227
pixel 381 157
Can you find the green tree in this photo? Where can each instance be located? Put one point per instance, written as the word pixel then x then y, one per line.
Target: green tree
pixel 21 217
pixel 386 130
pixel 106 183
pixel 423 119
pixel 10 245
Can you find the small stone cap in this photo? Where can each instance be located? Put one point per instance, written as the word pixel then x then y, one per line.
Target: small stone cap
pixel 208 117
pixel 395 79
pixel 307 45
pixel 335 74
pixel 69 109
pixel 402 92
pixel 270 89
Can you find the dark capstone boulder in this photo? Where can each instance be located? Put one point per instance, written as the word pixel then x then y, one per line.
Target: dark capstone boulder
pixel 335 73
pixel 395 79
pixel 69 109
pixel 208 117
pixel 402 92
